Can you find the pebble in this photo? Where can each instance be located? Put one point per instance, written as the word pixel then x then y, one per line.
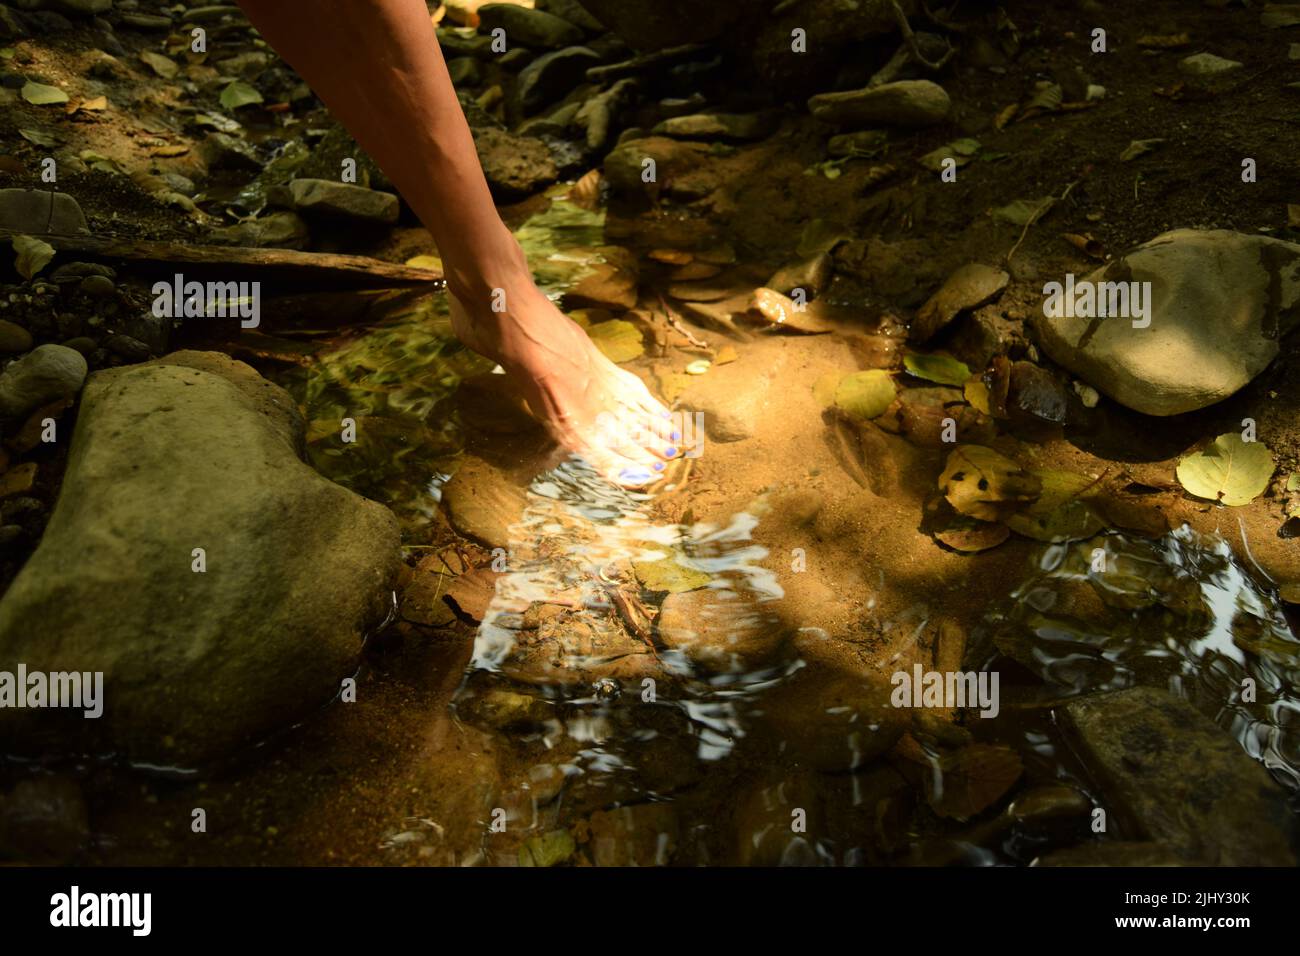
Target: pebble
pixel 44 375
pixel 98 286
pixel 133 350
pixel 905 103
pixel 14 338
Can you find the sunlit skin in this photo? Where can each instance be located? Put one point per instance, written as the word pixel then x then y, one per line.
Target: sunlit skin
pixel 377 66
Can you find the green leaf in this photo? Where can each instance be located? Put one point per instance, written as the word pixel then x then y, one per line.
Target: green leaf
pixel 41 95
pixel 1022 212
pixel 162 65
pixel 937 368
pixel 238 94
pixel 39 137
pixel 670 574
pixel 33 255
pixel 865 395
pixel 960 151
pixel 619 339
pixel 1230 470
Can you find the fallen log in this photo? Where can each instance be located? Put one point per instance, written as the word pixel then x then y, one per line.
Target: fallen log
pixel 317 269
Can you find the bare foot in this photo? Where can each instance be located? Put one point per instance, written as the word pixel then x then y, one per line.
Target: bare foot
pixel 598 411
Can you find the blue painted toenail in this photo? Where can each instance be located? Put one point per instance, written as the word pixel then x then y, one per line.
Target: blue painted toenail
pixel 676 436
pixel 659 466
pixel 670 452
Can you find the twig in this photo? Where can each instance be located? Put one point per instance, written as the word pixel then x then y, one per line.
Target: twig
pixel 677 324
pixel 910 39
pixel 1033 219
pixel 938 21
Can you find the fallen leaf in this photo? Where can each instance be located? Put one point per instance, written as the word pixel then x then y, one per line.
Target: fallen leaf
pixel 865 395
pixel 1230 470
pixel 970 535
pixel 238 94
pixel 1139 147
pixel 38 94
pixel 169 151
pixel 94 104
pixel 1166 42
pixel 984 484
pixel 161 65
pixel 960 151
pixel 1023 212
pixel 471 593
pixel 1278 15
pixel 937 368
pixel 33 255
pixel 619 339
pixel 977 394
pixel 39 137
pixel 670 574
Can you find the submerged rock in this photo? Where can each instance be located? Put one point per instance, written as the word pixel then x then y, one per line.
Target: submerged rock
pixel 221 586
pixel 1217 306
pixel 904 103
pixel 483 502
pixel 968 288
pixel 721 629
pixel 1180 780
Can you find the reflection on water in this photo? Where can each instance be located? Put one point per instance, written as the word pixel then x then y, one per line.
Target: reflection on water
pixel 1180 613
pixel 646 725
pixel 570 617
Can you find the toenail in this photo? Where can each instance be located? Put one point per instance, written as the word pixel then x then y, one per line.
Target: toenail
pixel 670 452
pixel 676 436
pixel 659 466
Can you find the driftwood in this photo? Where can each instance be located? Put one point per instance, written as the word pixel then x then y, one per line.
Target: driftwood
pixel 316 269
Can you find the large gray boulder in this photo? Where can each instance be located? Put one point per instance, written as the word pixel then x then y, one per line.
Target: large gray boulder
pixel 193 451
pixel 1220 302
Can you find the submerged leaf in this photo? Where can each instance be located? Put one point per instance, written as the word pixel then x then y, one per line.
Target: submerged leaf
pixel 983 484
pixel 670 574
pixel 865 395
pixel 937 368
pixel 1230 470
pixel 970 535
pixel 619 339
